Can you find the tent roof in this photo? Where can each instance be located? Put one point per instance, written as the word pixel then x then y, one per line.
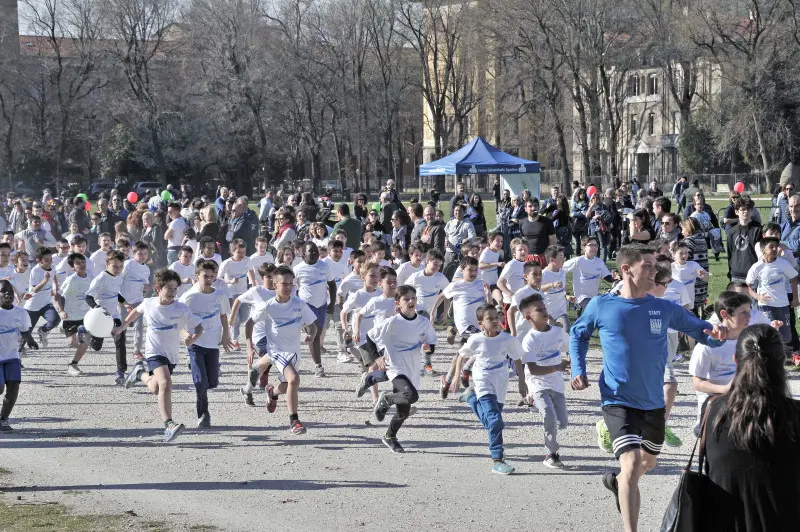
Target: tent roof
pixel 479 157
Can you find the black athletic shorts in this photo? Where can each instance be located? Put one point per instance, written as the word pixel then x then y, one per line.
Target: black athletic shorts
pixel 631 428
pixel 71 327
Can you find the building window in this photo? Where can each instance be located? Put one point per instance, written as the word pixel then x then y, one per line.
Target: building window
pixel 651 124
pixel 633 85
pixel 634 126
pixel 652 84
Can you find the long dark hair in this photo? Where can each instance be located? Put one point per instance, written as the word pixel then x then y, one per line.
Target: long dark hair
pixel 760 407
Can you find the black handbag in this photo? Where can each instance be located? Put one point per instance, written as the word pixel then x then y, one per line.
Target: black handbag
pixel 699 504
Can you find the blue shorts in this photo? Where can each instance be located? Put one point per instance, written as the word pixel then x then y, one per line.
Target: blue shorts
pixel 261 346
pixel 10 371
pixel 157 361
pixel 320 313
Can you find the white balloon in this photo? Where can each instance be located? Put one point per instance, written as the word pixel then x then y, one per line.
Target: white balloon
pixel 98 323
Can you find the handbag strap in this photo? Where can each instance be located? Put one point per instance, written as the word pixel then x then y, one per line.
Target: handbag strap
pixel 701 458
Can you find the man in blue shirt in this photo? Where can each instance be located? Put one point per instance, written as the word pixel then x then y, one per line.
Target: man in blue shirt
pixel 633 336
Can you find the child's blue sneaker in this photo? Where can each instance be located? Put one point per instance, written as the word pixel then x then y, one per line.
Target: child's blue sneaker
pixel 502 468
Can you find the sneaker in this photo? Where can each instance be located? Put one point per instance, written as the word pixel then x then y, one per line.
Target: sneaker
pixel 464 396
pixel 204 421
pixel 670 439
pixel 444 389
pixel 272 399
pixel 428 369
pixel 138 357
pixel 296 428
pixel 610 483
pixel 393 444
pixel 4 426
pixel 236 346
pixel 465 376
pixel 119 379
pixel 42 339
pixel 362 387
pixel 248 397
pixel 552 461
pixel 344 358
pixel 74 370
pixel 451 335
pixel 134 375
pixel 502 468
pixel 381 407
pixel 319 372
pixel 796 359
pixel 603 437
pixel 172 431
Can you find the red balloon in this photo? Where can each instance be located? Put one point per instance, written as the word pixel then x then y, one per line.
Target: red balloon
pixel 739 187
pixel 132 197
pixel 88 206
pixel 591 191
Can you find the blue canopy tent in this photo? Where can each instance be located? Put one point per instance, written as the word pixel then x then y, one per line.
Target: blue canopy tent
pixel 480 157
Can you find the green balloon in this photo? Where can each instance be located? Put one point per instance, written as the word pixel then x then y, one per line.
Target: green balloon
pixel 165 195
pixel 82 196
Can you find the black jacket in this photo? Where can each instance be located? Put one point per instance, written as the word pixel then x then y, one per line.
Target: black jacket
pixel 741 248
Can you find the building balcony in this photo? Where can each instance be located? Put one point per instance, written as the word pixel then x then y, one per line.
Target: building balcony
pixel 669 140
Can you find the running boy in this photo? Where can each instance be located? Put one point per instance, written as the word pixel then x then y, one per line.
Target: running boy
pixel 413 265
pixel 166 319
pixel 554 283
pixel 257 297
pixel 135 280
pixel 512 277
pixel 518 326
pixel 184 268
pixel 42 289
pixel 104 292
pixel 315 282
pixel 236 271
pixel 72 308
pixel 489 265
pixel 587 270
pixel 16 328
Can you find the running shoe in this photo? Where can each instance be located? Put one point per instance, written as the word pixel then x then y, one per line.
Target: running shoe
pixel 670 439
pixel 204 421
pixel 4 426
pixel 138 357
pixel 248 397
pixel 119 379
pixel 393 444
pixel 344 358
pixel 464 396
pixel 74 370
pixel 451 335
pixel 42 338
pixel 296 428
pixel 552 461
pixel 444 389
pixel 796 359
pixel 381 407
pixel 603 437
pixel 465 376
pixel 252 377
pixel 502 468
pixel 172 431
pixel 610 483
pixel 428 368
pixel 134 375
pixel 319 372
pixel 362 387
pixel 272 399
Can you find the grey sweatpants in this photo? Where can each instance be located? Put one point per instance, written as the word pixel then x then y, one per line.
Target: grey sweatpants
pixel 553 407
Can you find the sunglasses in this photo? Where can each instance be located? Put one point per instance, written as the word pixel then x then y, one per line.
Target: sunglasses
pixel 664 283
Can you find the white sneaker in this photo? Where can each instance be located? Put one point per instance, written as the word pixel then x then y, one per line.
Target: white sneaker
pixel 344 358
pixel 74 370
pixel 42 339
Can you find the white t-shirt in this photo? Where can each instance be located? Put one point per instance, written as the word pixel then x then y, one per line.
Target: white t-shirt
pixel 544 349
pixel 98 259
pixel 406 270
pixel 178 226
pixel 7 272
pixel 105 291
pixel 519 319
pixel 13 322
pixel 784 254
pixel 21 281
pixel 164 325
pixel 284 323
pixel 257 297
pixel 312 282
pixel 467 297
pixel 356 301
pixel 257 260
pixel 555 299
pixel 44 296
pixel 586 276
pixel 73 290
pixel 57 261
pixel 234 273
pixel 489 276
pixel 134 276
pixel 687 275
pixel 349 285
pixel 186 272
pixel 340 269
pixel 378 309
pixel 756 316
pixel 490 371
pixel 216 258
pixel 714 364
pixel 402 340
pixel 209 308
pixel 428 288
pixel 771 279
pixel 514 275
pixel 64 270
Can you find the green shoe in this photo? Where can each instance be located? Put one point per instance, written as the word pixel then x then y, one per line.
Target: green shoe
pixel 604 437
pixel 670 439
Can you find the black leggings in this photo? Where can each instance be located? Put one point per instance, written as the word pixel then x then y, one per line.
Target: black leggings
pixel 403 397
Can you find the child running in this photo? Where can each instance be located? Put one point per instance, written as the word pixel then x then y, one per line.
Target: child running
pixel 104 292
pixel 587 271
pixel 236 271
pixel 486 394
pixel 257 297
pixel 72 308
pixel 15 330
pixel 428 284
pixel 316 286
pixel 41 289
pixel 135 280
pixel 166 319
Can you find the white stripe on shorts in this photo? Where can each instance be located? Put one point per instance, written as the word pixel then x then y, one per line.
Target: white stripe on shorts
pixel 652 447
pixel 627 439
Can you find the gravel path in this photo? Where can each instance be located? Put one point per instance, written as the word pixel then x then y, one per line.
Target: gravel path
pixel 97 448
